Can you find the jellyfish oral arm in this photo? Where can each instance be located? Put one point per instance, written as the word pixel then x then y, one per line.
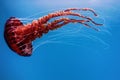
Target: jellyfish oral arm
pixel 40 26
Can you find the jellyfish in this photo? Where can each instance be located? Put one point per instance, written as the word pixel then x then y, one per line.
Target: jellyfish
pixel 19 36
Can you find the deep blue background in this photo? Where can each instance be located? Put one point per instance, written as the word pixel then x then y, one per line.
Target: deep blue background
pixel 82 55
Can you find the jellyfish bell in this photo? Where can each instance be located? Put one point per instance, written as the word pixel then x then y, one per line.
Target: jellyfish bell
pixel 15 39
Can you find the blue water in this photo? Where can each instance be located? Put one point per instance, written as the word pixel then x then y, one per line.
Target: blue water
pixel 72 52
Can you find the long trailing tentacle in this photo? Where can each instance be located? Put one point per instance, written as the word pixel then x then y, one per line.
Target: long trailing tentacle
pixel 63 21
pixel 45 19
pixel 40 26
pixel 82 9
pixel 69 9
pixel 42 22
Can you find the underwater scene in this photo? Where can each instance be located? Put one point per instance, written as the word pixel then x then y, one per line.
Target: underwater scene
pixel 59 40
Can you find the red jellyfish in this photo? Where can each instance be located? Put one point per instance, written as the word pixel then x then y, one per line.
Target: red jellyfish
pixel 19 37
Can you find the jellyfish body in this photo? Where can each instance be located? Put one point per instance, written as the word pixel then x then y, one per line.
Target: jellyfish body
pixel 15 39
pixel 19 37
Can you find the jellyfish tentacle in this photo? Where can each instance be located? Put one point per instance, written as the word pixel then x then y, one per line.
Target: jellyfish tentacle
pixel 45 19
pixel 88 18
pixel 39 29
pixel 82 9
pixel 55 24
pixel 97 24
